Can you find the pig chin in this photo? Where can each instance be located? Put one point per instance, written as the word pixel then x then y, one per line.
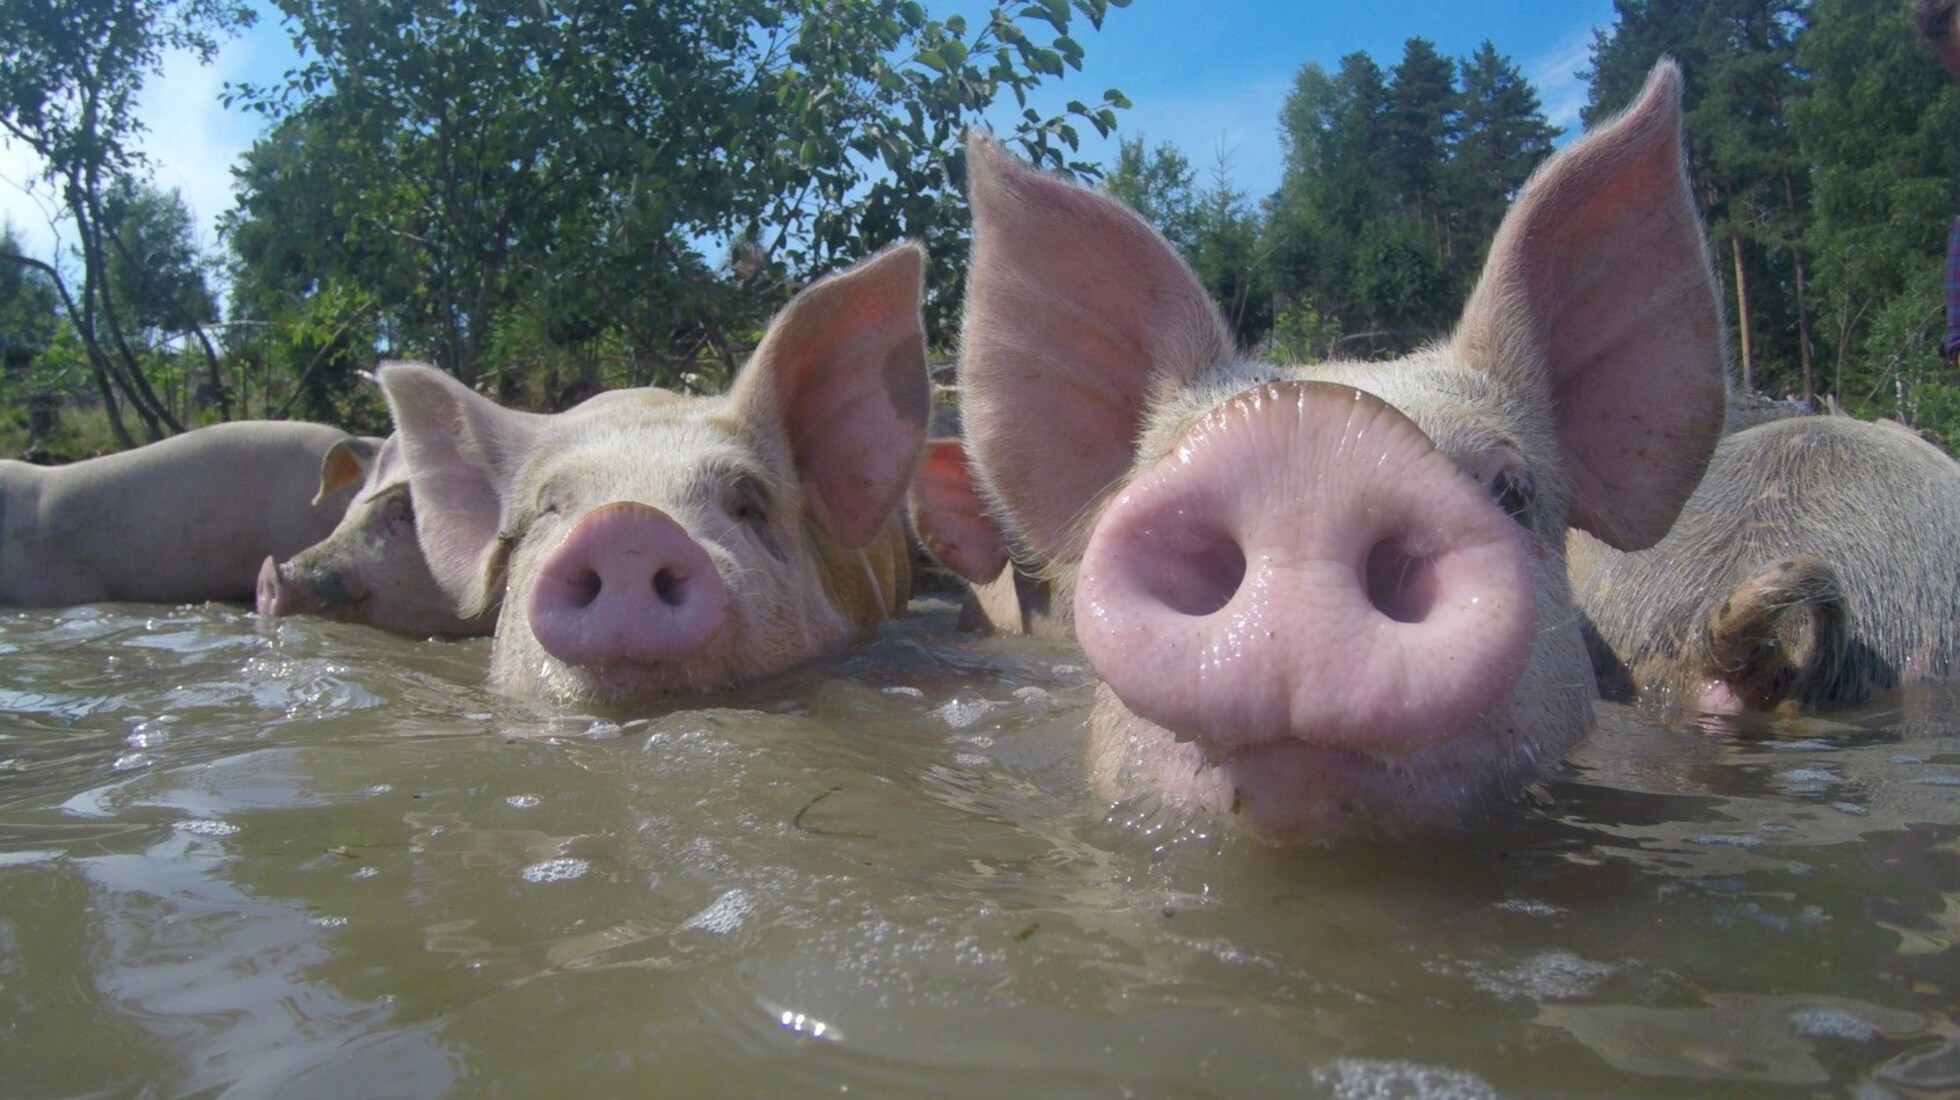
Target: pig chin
pixel 1298 791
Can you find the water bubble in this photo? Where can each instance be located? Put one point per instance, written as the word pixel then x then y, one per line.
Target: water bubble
pixel 724 915
pixel 365 872
pixel 1549 976
pixel 1369 1079
pixel 373 789
pixel 963 710
pixel 328 922
pixel 603 730
pixel 205 827
pixel 1729 840
pixel 1530 908
pixel 131 760
pixel 1828 1022
pixel 151 732
pixel 563 869
pixel 523 801
pixel 1034 696
pixel 903 692
pixel 1851 808
pixel 1812 779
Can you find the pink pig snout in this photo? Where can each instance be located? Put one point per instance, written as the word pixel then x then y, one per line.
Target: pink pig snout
pixel 280 593
pixel 1306 564
pixel 627 584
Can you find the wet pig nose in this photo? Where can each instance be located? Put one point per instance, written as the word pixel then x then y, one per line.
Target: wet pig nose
pixel 1305 564
pixel 281 594
pixel 628 583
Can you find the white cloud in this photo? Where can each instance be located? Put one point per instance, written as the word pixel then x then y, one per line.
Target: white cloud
pixel 1554 74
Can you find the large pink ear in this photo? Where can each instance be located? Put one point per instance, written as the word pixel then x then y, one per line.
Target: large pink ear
pixel 1599 279
pixel 1077 313
pixel 951 517
pixel 842 369
pixel 462 451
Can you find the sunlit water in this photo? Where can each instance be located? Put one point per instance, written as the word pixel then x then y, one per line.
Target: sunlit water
pixel 319 861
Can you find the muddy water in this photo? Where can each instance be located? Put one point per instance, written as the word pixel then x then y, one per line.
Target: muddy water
pixel 317 861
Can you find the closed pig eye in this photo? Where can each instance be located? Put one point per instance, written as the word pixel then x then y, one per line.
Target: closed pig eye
pixel 747 503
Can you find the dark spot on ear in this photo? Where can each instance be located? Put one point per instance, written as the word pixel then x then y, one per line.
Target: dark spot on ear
pixel 906 383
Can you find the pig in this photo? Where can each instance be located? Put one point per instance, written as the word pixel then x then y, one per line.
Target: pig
pixel 183 520
pixel 662 545
pixel 1329 600
pixel 371 570
pixel 1813 568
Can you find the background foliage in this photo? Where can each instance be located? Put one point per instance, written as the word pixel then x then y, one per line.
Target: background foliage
pixel 548 200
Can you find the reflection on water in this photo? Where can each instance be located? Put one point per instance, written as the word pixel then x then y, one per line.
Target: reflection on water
pixel 321 861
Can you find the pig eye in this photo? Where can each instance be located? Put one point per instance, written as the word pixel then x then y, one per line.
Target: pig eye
pixel 1511 489
pixel 748 502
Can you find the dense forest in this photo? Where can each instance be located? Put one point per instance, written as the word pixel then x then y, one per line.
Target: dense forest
pixel 549 200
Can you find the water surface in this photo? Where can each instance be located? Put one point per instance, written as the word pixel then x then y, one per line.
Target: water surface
pixel 314 860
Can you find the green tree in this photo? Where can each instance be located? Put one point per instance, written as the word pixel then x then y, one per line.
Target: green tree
pixel 480 161
pixel 1739 57
pixel 68 84
pixel 32 374
pixel 1877 122
pixel 1330 126
pixel 1419 132
pixel 1159 184
pixel 1501 136
pixel 1393 185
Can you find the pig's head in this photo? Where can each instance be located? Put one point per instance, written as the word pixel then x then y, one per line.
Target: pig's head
pixel 1331 598
pixel 371 569
pixel 653 544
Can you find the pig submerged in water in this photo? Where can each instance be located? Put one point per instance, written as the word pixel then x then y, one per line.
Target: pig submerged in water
pixel 662 544
pixel 1814 566
pixel 370 569
pixel 183 520
pixel 1331 599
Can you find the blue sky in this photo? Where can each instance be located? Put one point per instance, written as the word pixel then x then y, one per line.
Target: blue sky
pixel 1206 75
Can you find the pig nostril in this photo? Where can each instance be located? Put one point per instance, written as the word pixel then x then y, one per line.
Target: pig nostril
pixel 1199 580
pixel 1400 585
pixel 585 587
pixel 668 587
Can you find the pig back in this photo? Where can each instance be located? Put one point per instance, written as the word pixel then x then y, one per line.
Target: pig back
pixel 1862 518
pixel 186 519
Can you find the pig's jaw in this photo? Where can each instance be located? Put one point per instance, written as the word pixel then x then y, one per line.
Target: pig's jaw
pixel 1292 790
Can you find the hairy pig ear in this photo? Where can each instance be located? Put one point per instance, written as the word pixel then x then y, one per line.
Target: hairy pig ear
pixel 1599 283
pixel 842 372
pixel 1078 314
pixel 345 463
pixel 462 451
